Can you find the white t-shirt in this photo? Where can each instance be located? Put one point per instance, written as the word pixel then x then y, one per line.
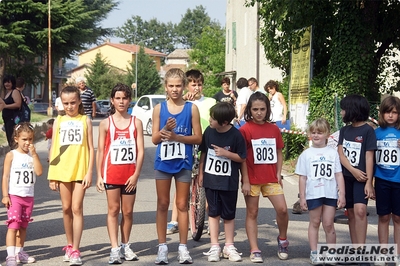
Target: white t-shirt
pixel 319 165
pixel 243 97
pixel 276 108
pixel 58 104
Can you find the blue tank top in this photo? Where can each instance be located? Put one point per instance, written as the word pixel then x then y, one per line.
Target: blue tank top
pixel 172 157
pixel 387 155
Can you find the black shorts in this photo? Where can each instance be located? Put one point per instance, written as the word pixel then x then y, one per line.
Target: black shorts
pixel 121 187
pixel 387 197
pixel 315 203
pixel 354 192
pixel 221 203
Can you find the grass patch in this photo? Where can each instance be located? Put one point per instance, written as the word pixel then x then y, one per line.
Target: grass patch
pixel 35 117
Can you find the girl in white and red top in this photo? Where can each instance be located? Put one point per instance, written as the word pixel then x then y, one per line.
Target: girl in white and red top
pixel 21 166
pixel 119 160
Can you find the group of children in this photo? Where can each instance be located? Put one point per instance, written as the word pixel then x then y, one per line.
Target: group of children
pixel 253 153
pixel 331 178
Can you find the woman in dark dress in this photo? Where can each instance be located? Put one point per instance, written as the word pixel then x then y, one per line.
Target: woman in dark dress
pixel 12 102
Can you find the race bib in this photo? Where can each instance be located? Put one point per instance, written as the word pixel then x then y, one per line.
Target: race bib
pixel 22 178
pixel 352 151
pixel 322 167
pixel 217 165
pixel 170 150
pixel 123 151
pixel 71 132
pixel 387 154
pixel 264 151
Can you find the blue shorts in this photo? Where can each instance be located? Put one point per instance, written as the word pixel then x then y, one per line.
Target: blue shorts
pixel 120 187
pixel 183 175
pixel 315 203
pixel 387 197
pixel 221 203
pixel 354 192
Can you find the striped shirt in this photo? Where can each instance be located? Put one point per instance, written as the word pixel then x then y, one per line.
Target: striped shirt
pixel 87 97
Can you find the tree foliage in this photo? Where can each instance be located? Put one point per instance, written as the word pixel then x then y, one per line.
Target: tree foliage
pixel 208 55
pixel 94 76
pixel 148 79
pixel 153 34
pixel 74 25
pixel 352 41
pixel 167 36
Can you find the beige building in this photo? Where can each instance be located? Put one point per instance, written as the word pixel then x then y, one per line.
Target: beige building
pixel 117 55
pixel 245 55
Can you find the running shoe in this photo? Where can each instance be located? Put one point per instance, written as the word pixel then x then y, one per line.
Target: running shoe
pixel 115 256
pixel 184 257
pixel 283 249
pixel 230 252
pixel 127 253
pixel 256 257
pixel 68 250
pixel 213 254
pixel 23 257
pixel 10 261
pixel 172 228
pixel 75 258
pixel 162 255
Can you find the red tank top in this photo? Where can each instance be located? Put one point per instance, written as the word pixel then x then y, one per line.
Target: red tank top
pixel 119 153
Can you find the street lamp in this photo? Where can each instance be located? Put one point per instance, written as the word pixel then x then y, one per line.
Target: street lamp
pixel 136 62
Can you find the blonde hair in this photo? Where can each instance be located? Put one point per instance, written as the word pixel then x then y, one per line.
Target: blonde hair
pixel 320 125
pixel 175 73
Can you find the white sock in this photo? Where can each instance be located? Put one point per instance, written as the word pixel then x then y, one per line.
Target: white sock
pixel 163 246
pixel 182 247
pixel 18 249
pixel 11 251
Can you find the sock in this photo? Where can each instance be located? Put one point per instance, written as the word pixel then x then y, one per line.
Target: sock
pixel 228 244
pixel 18 249
pixel 162 246
pixel 256 250
pixel 182 247
pixel 173 222
pixel 313 252
pixel 11 251
pixel 114 249
pixel 282 239
pixel 123 245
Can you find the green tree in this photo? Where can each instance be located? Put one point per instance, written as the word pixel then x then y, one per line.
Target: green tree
pixel 209 55
pixel 352 41
pixel 95 73
pixel 74 25
pixel 156 35
pixel 148 79
pixel 191 26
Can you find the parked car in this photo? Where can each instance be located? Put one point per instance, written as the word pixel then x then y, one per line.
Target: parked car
pixel 131 105
pixel 143 110
pixel 41 108
pixel 103 108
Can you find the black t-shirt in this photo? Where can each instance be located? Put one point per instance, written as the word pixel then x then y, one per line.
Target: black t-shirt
pixel 222 97
pixel 222 173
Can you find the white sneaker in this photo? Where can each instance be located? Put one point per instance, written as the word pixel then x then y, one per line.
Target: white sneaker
pixel 114 256
pixel 213 254
pixel 127 253
pixel 184 257
pixel 162 255
pixel 231 253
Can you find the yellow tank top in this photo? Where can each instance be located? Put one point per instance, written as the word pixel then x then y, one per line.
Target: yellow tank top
pixel 69 158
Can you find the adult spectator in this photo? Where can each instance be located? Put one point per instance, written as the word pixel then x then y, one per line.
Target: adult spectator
pixel 226 94
pixel 59 106
pixel 253 85
pixel 87 97
pixel 12 102
pixel 278 104
pixel 20 86
pixel 241 102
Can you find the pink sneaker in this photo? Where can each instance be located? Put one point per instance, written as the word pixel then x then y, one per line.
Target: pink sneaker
pixel 75 258
pixel 23 257
pixel 10 261
pixel 68 250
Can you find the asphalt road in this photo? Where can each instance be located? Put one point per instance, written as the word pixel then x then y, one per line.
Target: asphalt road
pixel 46 238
